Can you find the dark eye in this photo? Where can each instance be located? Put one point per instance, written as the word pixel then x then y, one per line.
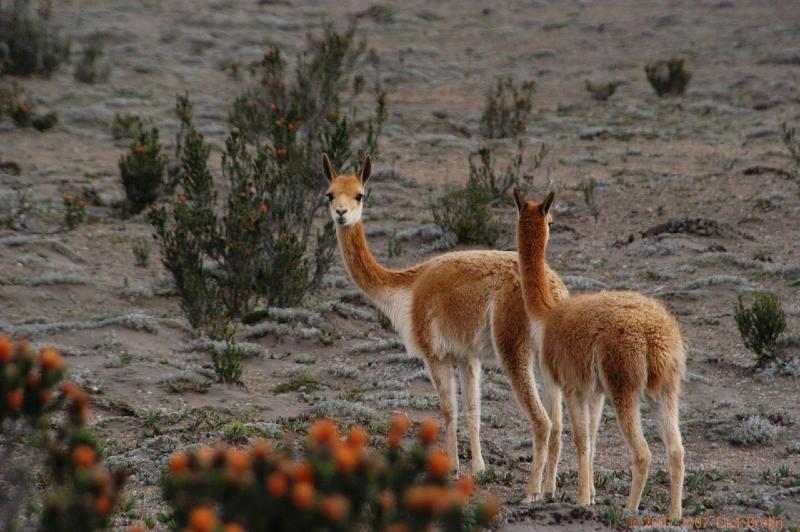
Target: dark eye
pixel 330 196
pixel 359 197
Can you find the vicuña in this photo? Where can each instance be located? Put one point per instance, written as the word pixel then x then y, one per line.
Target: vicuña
pixel 619 344
pixel 451 311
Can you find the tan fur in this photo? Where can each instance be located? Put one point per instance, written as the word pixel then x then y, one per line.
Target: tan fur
pixel 620 344
pixel 452 310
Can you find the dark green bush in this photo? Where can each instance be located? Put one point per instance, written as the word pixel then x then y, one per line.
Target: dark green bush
pixel 89 68
pixel 142 170
pixel 228 362
pixel 668 78
pixel 74 210
pixel 507 108
pixel 602 91
pixel 29 43
pixel 761 324
pixel 466 212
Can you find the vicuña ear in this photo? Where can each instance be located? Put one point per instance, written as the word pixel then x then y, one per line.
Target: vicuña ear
pixel 327 167
pixel 544 208
pixel 366 170
pixel 519 199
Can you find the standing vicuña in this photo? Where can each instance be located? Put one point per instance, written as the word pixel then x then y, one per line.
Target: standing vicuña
pixel 450 310
pixel 619 344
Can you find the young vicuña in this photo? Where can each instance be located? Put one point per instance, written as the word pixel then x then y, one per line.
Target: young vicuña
pixel 451 311
pixel 619 344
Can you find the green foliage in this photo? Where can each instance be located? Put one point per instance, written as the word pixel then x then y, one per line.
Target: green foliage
pixel 27 381
pixel 466 213
pixel 141 252
pixel 602 91
pixel 88 70
pixel 142 170
pixel 44 122
pixel 127 126
pixel 21 112
pixel 668 78
pixel 228 362
pixel 29 44
pixel 792 144
pixel 508 105
pixel 498 183
pixel 74 210
pixel 587 187
pixel 761 324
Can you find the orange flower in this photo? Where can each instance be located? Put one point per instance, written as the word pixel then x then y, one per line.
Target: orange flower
pixel 290 126
pixel 280 152
pixel 205 456
pixel 178 463
pixel 263 208
pixel 428 431
pixel 152 207
pixel 6 349
pixel 238 461
pixel 465 486
pixel 181 199
pixel 415 498
pixel 31 380
pixel 173 248
pixel 393 439
pixel 273 107
pixel 83 456
pixel 346 458
pixel 260 450
pixel 438 463
pixel 14 399
pixel 138 149
pixel 490 507
pixel 323 432
pixel 51 360
pixel 303 495
pixel 334 508
pixel 302 472
pixel 399 423
pixel 202 519
pixel 45 396
pixel 23 108
pixel 277 484
pixel 102 505
pixel 445 500
pixel 136 527
pixel 357 437
pixel 386 501
pixel 232 527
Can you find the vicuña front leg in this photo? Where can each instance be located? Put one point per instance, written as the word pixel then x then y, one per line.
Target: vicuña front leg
pixel 444 380
pixel 471 372
pixel 578 409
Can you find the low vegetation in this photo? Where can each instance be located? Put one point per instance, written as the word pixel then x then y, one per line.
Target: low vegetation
pixel 792 144
pixel 29 42
pixel 760 324
pixel 668 78
pixel 142 170
pixel 508 106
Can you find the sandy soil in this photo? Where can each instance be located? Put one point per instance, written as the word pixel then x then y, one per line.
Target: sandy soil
pixel 655 160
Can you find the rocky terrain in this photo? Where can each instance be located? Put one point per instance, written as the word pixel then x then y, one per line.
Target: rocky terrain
pixel 691 206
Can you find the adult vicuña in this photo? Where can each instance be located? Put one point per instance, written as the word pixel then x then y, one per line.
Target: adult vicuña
pixel 450 310
pixel 619 344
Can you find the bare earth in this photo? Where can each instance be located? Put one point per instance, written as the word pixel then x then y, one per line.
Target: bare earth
pixel 655 159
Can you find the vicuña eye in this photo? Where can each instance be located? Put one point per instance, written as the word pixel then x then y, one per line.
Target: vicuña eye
pixel 330 196
pixel 359 197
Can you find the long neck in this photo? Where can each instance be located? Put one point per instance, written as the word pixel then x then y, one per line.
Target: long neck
pixel 531 245
pixel 367 273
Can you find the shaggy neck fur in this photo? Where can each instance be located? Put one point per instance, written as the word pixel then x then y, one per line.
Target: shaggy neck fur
pixel 531 245
pixel 368 274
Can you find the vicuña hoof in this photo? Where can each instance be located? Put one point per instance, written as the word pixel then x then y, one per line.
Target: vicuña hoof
pixel 531 498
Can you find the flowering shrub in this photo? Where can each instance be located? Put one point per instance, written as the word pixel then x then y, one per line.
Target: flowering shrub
pixel 338 484
pixel 142 170
pixel 74 210
pixel 82 493
pixel 21 112
pixel 27 380
pixel 507 108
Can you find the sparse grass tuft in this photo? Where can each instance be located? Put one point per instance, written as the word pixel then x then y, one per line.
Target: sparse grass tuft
pixel 29 43
pixel 228 362
pixel 508 105
pixel 141 251
pixel 755 430
pixel 792 144
pixel 89 68
pixel 303 382
pixel 761 324
pixel 236 433
pixel 603 91
pixel 668 78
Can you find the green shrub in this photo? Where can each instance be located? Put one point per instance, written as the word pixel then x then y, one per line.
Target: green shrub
pixel 74 210
pixel 507 108
pixel 602 91
pixel 793 147
pixel 127 126
pixel 141 252
pixel 466 212
pixel 228 362
pixel 761 324
pixel 668 78
pixel 498 183
pixel 20 112
pixel 29 44
pixel 89 69
pixel 45 121
pixel 142 170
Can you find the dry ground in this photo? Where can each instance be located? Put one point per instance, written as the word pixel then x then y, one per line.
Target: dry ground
pixel 656 160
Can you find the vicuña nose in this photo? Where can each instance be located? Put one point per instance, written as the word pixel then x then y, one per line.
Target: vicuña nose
pixel 341 212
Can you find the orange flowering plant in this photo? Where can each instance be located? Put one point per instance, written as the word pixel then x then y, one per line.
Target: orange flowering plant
pixel 337 483
pixel 142 170
pixel 27 380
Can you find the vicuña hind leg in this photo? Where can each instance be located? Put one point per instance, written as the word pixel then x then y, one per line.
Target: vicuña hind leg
pixel 667 419
pixel 578 408
pixel 596 414
pixel 471 388
pixel 627 409
pixel 444 380
pixel 551 397
pixel 520 372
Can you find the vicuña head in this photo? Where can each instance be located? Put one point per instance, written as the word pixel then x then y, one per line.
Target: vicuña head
pixel 346 192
